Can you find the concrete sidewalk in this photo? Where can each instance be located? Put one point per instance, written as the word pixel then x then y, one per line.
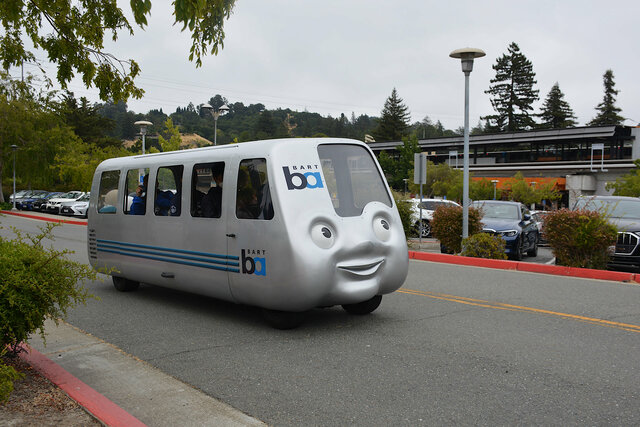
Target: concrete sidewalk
pixel 151 396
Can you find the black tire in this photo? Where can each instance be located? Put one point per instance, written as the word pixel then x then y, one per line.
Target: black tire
pixel 534 251
pixel 283 319
pixel 364 307
pixel 517 256
pixel 125 285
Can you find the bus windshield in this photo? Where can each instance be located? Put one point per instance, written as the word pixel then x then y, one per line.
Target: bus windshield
pixel 352 178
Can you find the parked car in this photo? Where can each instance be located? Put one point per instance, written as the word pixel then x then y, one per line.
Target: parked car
pixel 76 208
pixel 538 217
pixel 17 195
pixel 39 204
pixel 26 203
pixel 512 221
pixel 423 228
pixel 25 195
pixel 624 213
pixel 53 204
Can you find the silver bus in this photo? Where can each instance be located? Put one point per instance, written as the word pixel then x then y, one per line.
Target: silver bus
pixel 285 225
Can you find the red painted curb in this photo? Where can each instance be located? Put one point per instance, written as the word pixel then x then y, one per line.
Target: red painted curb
pixel 44 218
pixel 557 270
pixel 98 405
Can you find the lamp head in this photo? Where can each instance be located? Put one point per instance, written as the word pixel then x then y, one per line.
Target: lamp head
pixel 466 56
pixel 143 125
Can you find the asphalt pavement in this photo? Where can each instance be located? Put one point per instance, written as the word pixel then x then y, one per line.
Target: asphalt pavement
pixel 456 345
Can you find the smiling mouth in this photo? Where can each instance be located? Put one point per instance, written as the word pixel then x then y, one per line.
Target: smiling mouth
pixel 362 269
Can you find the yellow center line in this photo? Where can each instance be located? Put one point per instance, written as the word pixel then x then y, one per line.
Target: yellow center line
pixel 510 307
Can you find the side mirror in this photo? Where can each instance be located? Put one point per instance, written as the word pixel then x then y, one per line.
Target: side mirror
pixel 526 217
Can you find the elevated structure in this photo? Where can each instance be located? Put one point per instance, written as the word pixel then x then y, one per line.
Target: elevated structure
pixel 580 160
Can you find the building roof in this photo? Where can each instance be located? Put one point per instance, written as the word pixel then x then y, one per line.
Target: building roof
pixel 536 136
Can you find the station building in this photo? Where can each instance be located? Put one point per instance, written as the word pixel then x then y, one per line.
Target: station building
pixel 580 160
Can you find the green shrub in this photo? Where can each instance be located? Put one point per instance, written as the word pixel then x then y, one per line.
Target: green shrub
pixel 447 226
pixel 484 245
pixel 580 238
pixel 6 206
pixel 8 375
pixel 404 209
pixel 36 283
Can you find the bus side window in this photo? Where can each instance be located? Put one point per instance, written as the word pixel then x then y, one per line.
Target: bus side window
pixel 206 190
pixel 168 197
pixel 253 197
pixel 135 195
pixel 108 192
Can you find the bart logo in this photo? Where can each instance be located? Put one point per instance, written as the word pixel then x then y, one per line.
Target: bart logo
pixel 300 181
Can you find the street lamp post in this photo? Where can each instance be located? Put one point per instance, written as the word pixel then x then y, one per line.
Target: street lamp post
pixel 14 148
pixel 215 113
pixel 466 56
pixel 143 130
pixel 495 184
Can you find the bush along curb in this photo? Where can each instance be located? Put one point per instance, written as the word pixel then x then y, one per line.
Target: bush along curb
pixel 558 270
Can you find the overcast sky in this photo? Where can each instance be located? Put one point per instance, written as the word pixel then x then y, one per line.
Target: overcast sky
pixel 344 56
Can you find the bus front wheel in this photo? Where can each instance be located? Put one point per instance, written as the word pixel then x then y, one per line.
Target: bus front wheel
pixel 283 319
pixel 364 307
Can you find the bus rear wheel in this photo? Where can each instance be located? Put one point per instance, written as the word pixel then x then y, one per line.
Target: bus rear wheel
pixel 364 307
pixel 283 319
pixel 125 285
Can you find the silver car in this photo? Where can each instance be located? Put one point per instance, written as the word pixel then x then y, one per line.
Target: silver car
pixel 76 208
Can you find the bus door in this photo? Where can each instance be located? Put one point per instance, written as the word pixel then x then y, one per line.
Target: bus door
pixel 206 235
pixel 251 229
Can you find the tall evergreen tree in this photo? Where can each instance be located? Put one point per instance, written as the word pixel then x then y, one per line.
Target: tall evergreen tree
pixel 556 112
pixel 394 120
pixel 607 110
pixel 512 92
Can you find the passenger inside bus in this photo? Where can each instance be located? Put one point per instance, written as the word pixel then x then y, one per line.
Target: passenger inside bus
pixel 168 201
pixel 212 201
pixel 246 198
pixel 139 203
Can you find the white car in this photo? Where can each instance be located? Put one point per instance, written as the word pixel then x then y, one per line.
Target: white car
pixel 53 205
pixel 423 228
pixel 76 208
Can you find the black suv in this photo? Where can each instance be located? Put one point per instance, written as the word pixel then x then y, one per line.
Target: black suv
pixel 624 213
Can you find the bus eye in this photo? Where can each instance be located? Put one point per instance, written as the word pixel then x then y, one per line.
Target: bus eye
pixel 323 236
pixel 382 229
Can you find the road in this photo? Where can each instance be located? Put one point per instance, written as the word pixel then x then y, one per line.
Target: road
pixel 456 345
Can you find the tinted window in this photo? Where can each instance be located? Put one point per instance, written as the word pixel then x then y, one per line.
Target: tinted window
pixel 206 190
pixel 168 197
pixel 612 207
pixel 108 192
pixel 135 196
pixel 498 210
pixel 352 178
pixel 253 197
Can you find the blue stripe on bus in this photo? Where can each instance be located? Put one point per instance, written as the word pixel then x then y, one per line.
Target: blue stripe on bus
pixel 175 261
pixel 129 250
pixel 160 248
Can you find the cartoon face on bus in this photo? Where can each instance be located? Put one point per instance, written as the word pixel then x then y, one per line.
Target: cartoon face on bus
pixel 285 225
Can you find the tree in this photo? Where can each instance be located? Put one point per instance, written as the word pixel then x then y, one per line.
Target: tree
pixel 607 110
pixel 72 34
pixel 27 120
pixel 394 120
pixel 174 141
pixel 512 92
pixel 86 122
pixel 556 112
pixel 397 169
pixel 628 184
